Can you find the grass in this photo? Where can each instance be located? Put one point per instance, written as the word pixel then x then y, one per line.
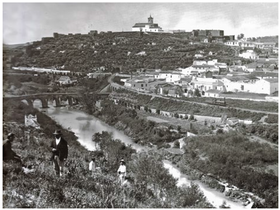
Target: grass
pixel 78 188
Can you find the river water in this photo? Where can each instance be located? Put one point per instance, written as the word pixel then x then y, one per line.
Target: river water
pixel 85 125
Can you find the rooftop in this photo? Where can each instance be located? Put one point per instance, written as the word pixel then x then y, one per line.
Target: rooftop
pixel 272 80
pixel 62 78
pixel 240 78
pixel 264 74
pixel 141 24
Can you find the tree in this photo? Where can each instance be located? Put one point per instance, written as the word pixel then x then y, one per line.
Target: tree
pixel 146 109
pixel 197 93
pixel 179 128
pixel 176 144
pixel 240 36
pixel 148 170
pixel 132 113
pixel 191 117
pixel 89 99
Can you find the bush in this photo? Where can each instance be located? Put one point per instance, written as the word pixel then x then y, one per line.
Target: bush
pixel 230 157
pixel 271 119
pixel 176 144
pixel 191 117
pixel 220 131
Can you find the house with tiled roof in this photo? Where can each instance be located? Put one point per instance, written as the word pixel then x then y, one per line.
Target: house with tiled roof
pixel 170 90
pixel 147 84
pixel 147 27
pixel 64 80
pixel 265 75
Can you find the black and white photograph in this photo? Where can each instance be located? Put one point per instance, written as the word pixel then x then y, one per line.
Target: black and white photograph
pixel 140 104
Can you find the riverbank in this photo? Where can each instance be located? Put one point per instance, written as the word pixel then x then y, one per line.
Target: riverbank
pixel 40 188
pixel 233 193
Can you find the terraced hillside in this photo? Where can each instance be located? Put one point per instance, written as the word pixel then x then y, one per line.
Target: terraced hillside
pixel 123 51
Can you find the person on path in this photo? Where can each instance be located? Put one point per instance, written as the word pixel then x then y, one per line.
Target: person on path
pixel 59 152
pixel 122 171
pixel 92 166
pixel 8 153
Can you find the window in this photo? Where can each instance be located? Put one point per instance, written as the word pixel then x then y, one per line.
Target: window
pixel 242 87
pixel 142 85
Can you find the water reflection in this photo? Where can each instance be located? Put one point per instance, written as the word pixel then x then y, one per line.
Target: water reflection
pixel 84 125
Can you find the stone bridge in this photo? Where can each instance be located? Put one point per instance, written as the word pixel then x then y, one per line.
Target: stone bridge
pixel 71 98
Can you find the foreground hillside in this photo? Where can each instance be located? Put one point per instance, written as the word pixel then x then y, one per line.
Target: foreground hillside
pixel 150 184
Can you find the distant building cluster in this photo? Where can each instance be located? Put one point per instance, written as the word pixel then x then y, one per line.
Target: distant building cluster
pixel 212 36
pixel 208 77
pixel 251 44
pixel 203 35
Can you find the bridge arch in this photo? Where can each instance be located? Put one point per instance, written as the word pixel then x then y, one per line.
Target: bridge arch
pixel 44 98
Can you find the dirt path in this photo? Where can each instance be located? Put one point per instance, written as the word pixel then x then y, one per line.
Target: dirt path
pixel 262 141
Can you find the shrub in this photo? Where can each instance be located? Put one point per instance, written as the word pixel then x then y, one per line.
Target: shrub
pixel 191 117
pixel 146 109
pixel 271 119
pixel 176 144
pixel 220 131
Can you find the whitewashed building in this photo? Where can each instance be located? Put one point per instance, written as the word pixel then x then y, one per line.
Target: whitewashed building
pixel 200 66
pixel 261 86
pixel 169 77
pixel 64 80
pixel 249 54
pixel 147 27
pixel 204 84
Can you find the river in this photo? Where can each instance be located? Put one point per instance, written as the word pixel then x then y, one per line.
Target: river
pixel 85 125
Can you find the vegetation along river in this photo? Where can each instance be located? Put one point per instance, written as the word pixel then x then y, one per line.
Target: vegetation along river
pixel 85 125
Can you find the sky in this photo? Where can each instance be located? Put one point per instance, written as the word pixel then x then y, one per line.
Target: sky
pixel 27 22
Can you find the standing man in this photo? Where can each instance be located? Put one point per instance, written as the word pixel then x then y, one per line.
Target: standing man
pixel 92 166
pixel 59 152
pixel 8 153
pixel 122 171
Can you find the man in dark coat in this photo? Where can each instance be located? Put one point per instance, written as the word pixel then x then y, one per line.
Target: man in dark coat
pixel 8 153
pixel 59 152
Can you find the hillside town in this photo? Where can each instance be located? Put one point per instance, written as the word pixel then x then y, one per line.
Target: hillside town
pixel 144 118
pixel 252 69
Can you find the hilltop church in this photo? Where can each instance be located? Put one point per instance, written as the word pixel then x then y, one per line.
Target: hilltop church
pixel 147 27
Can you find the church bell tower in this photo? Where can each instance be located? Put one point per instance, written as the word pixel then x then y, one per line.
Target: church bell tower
pixel 150 20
